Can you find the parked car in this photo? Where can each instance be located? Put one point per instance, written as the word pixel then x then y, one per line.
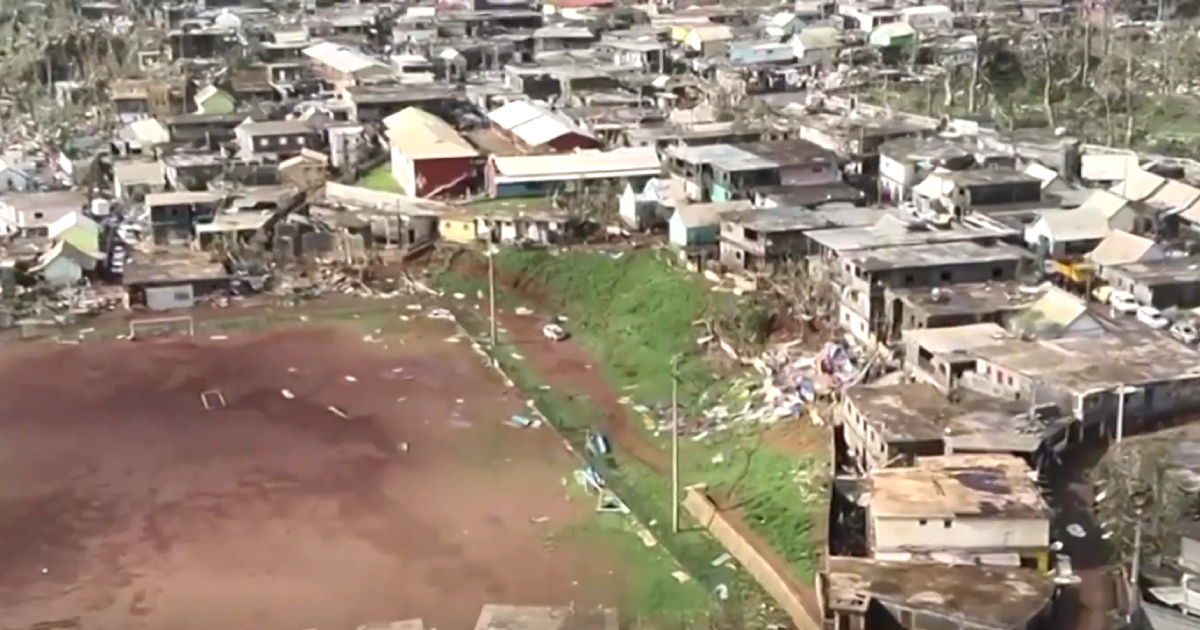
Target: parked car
pixel 1152 317
pixel 1124 303
pixel 1185 331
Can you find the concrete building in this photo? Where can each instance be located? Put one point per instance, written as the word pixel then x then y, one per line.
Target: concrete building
pixel 977 509
pixel 1119 382
pixel 864 594
pixel 893 425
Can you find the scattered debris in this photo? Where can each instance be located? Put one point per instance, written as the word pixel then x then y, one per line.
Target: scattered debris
pixel 351 379
pixel 212 399
pixel 287 393
pixel 338 412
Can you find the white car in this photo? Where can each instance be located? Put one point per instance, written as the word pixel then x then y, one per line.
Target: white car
pixel 1185 332
pixel 1152 317
pixel 1123 303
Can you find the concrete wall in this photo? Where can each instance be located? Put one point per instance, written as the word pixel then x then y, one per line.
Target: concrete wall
pixel 703 510
pixel 959 534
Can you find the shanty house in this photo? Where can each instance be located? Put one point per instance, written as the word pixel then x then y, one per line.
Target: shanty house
pixel 1077 231
pixel 532 175
pixel 709 39
pixel 430 158
pixel 1057 314
pixel 306 171
pixel 32 213
pixel 816 46
pixel 977 509
pixel 282 138
pixel 214 100
pixel 1163 283
pixel 720 172
pixel 533 127
pixel 698 225
pixel 64 264
pixel 343 66
pixel 133 180
pixel 174 215
pixel 1122 248
pixel 653 205
pixel 858 593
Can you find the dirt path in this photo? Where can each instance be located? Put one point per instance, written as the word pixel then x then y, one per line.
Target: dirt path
pixel 568 368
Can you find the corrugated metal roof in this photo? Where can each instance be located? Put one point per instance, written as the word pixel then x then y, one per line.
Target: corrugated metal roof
pixel 341 58
pixel 1139 184
pixel 1121 248
pixel 1079 224
pixel 1055 308
pixel 534 123
pixel 726 157
pixel 417 134
pixel 633 162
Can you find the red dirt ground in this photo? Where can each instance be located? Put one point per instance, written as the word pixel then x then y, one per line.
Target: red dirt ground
pixel 124 504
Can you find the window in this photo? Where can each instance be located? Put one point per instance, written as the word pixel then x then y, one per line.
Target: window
pixel 946 523
pixel 997 272
pixel 909 279
pixel 38 215
pixel 181 296
pixel 922 522
pixel 947 276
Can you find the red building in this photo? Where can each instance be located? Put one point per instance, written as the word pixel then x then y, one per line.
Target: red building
pixel 430 158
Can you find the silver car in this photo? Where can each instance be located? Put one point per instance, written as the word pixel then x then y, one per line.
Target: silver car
pixel 1185 331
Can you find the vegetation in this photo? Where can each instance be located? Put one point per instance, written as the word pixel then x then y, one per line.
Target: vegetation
pixel 381 178
pixel 1119 86
pixel 634 312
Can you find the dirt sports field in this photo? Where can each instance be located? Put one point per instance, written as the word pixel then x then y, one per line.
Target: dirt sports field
pixel 125 504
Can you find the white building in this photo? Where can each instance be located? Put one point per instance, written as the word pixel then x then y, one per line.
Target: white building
pixel 977 509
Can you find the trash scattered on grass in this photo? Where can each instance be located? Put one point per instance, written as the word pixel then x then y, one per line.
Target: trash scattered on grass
pixel 338 412
pixel 460 296
pixel 520 421
pixel 403 446
pixel 218 337
pixel 721 560
pixel 722 592
pixel 452 340
pixel 681 577
pixel 539 519
pixel 414 307
pixel 287 393
pixel 516 356
pixel 521 310
pixel 440 313
pixel 351 379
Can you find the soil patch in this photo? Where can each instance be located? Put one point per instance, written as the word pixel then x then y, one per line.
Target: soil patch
pixel 125 504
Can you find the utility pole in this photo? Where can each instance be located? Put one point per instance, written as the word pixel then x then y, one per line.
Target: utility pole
pixel 675 443
pixel 491 294
pixel 1135 568
pixel 1120 412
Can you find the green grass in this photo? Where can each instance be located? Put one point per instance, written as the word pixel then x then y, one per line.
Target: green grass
pixel 633 313
pixel 511 205
pixel 380 178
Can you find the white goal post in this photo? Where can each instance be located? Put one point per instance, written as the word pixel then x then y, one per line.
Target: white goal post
pixel 162 325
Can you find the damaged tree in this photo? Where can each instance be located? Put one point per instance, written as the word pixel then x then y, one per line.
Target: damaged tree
pixel 1135 482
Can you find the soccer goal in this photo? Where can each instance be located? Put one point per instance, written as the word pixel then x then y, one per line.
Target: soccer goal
pixel 162 326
